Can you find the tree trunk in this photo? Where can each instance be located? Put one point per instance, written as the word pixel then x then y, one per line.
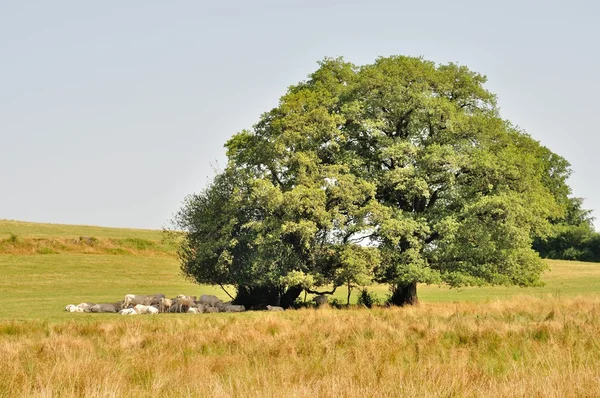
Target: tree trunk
pixel 258 297
pixel 349 292
pixel 404 294
pixel 290 295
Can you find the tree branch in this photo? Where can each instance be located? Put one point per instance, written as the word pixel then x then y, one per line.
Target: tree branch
pixel 403 124
pixel 276 179
pixel 388 165
pixel 434 198
pixel 432 237
pixel 321 293
pixel 225 290
pixel 361 238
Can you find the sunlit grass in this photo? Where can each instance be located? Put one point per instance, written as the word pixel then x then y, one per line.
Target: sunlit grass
pixel 29 229
pixel 54 280
pixel 519 347
pixel 480 342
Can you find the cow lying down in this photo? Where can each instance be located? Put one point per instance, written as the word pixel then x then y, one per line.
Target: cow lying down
pixel 107 307
pixel 145 309
pixel 73 308
pixel 139 309
pixel 83 307
pixel 153 304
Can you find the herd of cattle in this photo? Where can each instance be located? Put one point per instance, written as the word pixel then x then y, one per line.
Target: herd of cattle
pixel 134 304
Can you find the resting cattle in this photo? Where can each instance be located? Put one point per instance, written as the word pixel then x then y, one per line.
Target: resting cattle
pixel 274 308
pixel 85 307
pixel 145 309
pixel 135 299
pixel 128 311
pixel 106 307
pixel 232 308
pixel 183 303
pixel 165 304
pixel 73 308
pixel 209 300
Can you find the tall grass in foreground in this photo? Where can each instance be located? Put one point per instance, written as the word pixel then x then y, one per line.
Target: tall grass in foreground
pixel 522 347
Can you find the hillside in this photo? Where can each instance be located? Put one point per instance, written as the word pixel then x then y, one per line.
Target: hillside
pixel 17 237
pixel 40 230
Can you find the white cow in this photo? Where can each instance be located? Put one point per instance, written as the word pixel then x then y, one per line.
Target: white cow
pixel 165 304
pixel 274 308
pixel 183 303
pixel 145 309
pixel 128 311
pixel 73 308
pixel 85 307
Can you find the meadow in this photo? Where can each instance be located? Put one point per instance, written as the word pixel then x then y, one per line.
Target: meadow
pixel 492 341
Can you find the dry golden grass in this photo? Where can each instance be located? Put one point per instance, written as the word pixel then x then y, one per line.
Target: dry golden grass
pixel 521 347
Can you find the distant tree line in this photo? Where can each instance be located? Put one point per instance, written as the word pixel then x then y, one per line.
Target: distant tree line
pixel 572 238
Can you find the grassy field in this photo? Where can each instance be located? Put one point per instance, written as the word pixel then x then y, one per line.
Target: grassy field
pixel 52 281
pixel 39 230
pixel 479 342
pixel 144 264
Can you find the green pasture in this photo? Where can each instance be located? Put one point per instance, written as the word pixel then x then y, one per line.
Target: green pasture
pixel 568 278
pixel 38 286
pixel 40 230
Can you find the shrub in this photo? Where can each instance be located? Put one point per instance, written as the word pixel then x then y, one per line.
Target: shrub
pixel 300 303
pixel 335 302
pixel 367 298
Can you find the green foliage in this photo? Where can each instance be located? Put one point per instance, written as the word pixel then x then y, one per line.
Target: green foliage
pixel 570 242
pixel 367 298
pixel 401 171
pixel 336 303
pixel 572 236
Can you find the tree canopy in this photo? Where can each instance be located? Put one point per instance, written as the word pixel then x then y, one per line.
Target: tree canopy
pixel 399 172
pixel 572 237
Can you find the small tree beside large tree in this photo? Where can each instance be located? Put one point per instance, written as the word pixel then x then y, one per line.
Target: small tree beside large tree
pixel 399 172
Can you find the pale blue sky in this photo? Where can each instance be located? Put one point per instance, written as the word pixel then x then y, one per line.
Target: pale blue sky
pixel 111 112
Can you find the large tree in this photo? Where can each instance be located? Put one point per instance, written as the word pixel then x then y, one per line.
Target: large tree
pixel 401 171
